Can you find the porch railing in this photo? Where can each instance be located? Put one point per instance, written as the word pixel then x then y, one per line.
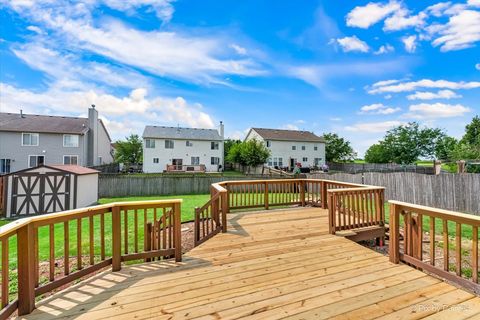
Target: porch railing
pixel 438 241
pixel 42 253
pixel 350 205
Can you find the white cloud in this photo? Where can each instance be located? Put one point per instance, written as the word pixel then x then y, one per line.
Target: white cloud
pixel 425 95
pixel 438 9
pixel 462 31
pixel 386 86
pixel 436 110
pixel 477 66
pixel 474 3
pixel 238 49
pixel 290 126
pixel 352 44
pixel 384 49
pixel 410 43
pixel 365 16
pixel 378 108
pixel 401 20
pixel 163 8
pixel 372 127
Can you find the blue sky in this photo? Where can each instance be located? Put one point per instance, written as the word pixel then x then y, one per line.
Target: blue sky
pixel 352 67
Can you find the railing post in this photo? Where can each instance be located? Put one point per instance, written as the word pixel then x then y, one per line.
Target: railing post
pixel 178 231
pixel 148 239
pixel 26 269
pixel 196 230
pixel 394 243
pixel 266 195
pixel 302 192
pixel 323 194
pixel 224 211
pixel 116 239
pixel 331 213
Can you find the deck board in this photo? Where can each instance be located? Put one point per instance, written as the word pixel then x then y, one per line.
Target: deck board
pixel 270 265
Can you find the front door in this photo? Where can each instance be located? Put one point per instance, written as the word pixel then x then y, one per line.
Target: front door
pixel 292 163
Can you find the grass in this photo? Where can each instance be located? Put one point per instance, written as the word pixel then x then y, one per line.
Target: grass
pixel 188 205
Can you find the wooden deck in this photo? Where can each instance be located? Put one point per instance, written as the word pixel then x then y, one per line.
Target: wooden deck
pixel 270 265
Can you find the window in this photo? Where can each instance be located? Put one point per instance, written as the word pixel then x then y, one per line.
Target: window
pixel 270 163
pixel 29 139
pixel 34 161
pixel 169 144
pixel 5 165
pixel 155 160
pixel 149 143
pixel 294 147
pixel 280 162
pixel 70 140
pixel 269 143
pixel 214 145
pixel 195 161
pixel 100 160
pixel 303 148
pixel 275 162
pixel 315 148
pixel 189 143
pixel 70 159
pixel 215 160
pixel 305 159
pixel 317 161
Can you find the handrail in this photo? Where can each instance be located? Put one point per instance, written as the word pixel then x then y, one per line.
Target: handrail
pixel 122 221
pixel 409 224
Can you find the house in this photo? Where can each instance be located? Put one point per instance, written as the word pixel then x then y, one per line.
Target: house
pixel 177 149
pixel 289 147
pixel 28 140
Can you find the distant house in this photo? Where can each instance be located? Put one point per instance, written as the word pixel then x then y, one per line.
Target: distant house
pixel 289 147
pixel 177 149
pixel 28 140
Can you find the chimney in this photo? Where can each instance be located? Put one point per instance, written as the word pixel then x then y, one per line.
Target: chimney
pixel 92 136
pixel 21 114
pixel 222 130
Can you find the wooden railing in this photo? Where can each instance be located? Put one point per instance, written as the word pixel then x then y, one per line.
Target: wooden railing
pixel 40 254
pixel 438 241
pixel 357 206
pixel 186 168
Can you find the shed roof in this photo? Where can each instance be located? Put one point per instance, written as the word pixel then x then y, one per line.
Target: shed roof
pixel 73 168
pixel 42 123
pixel 161 132
pixel 288 135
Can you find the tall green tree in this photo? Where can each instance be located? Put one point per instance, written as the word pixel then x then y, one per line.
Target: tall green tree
pixel 338 148
pixel 407 143
pixel 445 147
pixel 248 153
pixel 472 132
pixel 228 144
pixel 129 151
pixel 377 153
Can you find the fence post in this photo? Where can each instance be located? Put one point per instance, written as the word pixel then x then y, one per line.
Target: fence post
pixel 266 195
pixel 302 192
pixel 178 231
pixel 394 243
pixel 116 239
pixel 224 211
pixel 26 269
pixel 331 213
pixel 323 194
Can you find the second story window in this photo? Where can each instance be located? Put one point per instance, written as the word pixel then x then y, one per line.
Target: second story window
pixel 70 159
pixel 315 148
pixel 305 159
pixel 269 143
pixel 189 143
pixel 149 143
pixel 155 160
pixel 214 145
pixel 169 144
pixel 29 139
pixel 70 140
pixel 294 147
pixel 303 148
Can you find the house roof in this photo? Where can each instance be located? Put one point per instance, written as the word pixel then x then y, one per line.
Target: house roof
pixel 288 135
pixel 73 168
pixel 42 123
pixel 161 132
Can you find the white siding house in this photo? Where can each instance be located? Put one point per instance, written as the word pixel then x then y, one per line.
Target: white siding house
pixel 182 149
pixel 289 147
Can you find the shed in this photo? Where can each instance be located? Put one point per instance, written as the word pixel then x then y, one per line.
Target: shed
pixel 49 188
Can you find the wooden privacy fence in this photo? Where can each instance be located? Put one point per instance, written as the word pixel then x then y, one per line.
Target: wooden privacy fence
pixel 75 243
pixel 458 192
pixel 435 240
pixel 350 205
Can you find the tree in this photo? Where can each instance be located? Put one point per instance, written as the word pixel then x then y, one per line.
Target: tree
pixel 129 151
pixel 235 154
pixel 377 154
pixel 337 148
pixel 407 143
pixel 472 132
pixel 250 153
pixel 228 144
pixel 465 151
pixel 445 148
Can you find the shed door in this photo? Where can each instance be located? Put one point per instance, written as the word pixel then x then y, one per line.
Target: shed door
pixel 35 193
